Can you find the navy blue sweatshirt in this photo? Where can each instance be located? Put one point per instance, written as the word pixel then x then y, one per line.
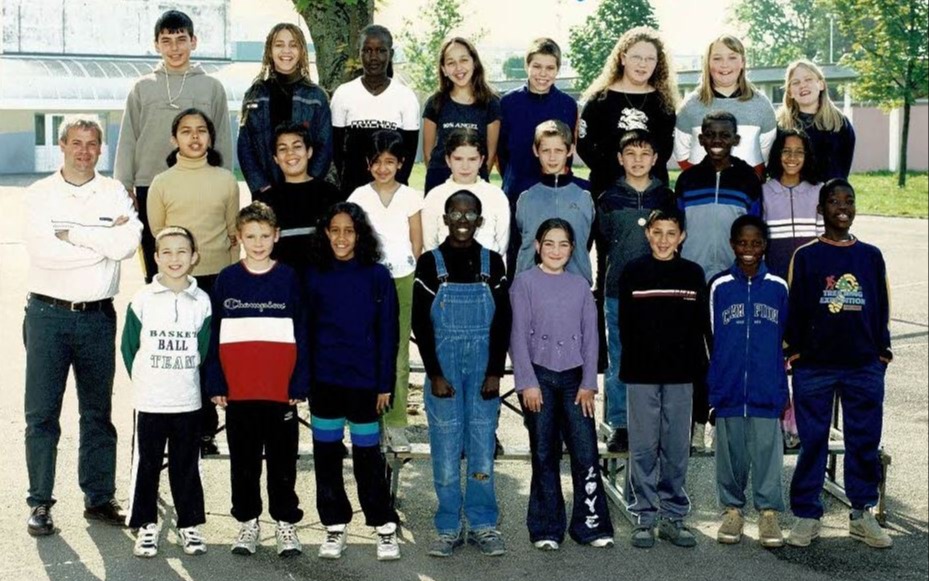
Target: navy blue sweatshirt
pixel 353 326
pixel 747 317
pixel 839 305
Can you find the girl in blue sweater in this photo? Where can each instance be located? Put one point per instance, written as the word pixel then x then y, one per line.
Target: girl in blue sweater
pixel 352 305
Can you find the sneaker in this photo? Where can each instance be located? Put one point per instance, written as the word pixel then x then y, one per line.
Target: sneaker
pixel 445 544
pixel 697 438
pixel 730 532
pixel 803 532
pixel 40 521
pixel 546 545
pixel 769 531
pixel 109 512
pixel 866 529
pixel 208 446
pixel 395 438
pixel 602 543
pixel 192 540
pixel 288 544
pixel 247 541
pixel 709 438
pixel 675 532
pixel 146 541
pixel 643 537
pixel 619 441
pixel 388 548
pixel 498 447
pixel 334 545
pixel 489 541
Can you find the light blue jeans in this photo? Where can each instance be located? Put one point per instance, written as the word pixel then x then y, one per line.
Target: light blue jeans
pixel 615 389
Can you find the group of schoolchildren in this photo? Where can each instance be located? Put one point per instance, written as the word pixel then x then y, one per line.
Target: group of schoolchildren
pixel 334 281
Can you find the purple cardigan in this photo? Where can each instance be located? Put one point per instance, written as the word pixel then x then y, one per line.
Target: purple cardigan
pixel 554 326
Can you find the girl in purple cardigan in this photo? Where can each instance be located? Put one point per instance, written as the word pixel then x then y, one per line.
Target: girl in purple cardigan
pixel 553 346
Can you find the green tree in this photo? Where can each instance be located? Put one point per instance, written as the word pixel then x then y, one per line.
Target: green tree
pixel 779 31
pixel 592 41
pixel 335 27
pixel 890 54
pixel 421 43
pixel 514 67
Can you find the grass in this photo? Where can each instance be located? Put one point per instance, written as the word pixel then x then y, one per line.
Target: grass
pixel 878 194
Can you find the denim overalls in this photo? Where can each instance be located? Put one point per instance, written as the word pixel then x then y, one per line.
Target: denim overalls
pixel 461 316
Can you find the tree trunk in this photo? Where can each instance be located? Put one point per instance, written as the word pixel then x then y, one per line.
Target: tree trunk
pixel 901 170
pixel 335 27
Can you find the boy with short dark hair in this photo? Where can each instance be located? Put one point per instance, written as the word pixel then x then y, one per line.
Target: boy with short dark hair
pixel 621 212
pixel 164 343
pixel 559 194
pixel 712 195
pixel 301 200
pixel 838 343
pixel 145 133
pixel 662 324
pixel 748 385
pixel 258 369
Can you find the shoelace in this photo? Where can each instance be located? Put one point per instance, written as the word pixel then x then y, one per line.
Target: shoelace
pixel 193 537
pixel 287 533
pixel 248 534
pixel 41 511
pixel 147 536
pixel 387 538
pixel 334 536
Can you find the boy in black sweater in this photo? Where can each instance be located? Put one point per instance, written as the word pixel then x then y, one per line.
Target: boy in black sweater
pixel 662 326
pixel 838 343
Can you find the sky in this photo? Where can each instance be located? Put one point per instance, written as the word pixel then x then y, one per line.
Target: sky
pixel 687 25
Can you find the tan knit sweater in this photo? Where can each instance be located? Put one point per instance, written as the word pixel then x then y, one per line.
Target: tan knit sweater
pixel 205 200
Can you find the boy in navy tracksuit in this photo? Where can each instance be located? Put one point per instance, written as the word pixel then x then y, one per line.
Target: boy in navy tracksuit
pixel 747 383
pixel 838 341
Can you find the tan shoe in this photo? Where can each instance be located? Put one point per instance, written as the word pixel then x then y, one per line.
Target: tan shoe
pixel 730 532
pixel 769 531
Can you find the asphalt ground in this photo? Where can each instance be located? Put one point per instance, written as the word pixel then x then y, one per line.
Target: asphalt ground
pixel 85 551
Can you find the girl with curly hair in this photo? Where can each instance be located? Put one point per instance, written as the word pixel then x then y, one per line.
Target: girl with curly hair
pixel 352 312
pixel 635 90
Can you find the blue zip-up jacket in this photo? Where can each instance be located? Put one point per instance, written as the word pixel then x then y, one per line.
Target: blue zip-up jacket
pixel 255 147
pixel 711 201
pixel 748 317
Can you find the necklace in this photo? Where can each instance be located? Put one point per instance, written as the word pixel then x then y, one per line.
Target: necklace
pixel 640 107
pixel 171 101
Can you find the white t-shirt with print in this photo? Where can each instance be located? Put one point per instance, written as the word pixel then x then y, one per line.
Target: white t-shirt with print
pixel 391 224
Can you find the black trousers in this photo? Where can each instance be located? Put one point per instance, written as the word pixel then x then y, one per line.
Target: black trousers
pixel 148 239
pixel 181 433
pixel 253 427
pixel 331 407
pixel 209 417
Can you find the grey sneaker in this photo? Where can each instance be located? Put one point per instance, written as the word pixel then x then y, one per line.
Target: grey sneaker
pixel 730 531
pixel 444 545
pixel 697 438
pixel 288 544
pixel 675 532
pixel 643 537
pixel 247 541
pixel 867 530
pixel 396 439
pixel 488 541
pixel 192 540
pixel 334 545
pixel 388 548
pixel 769 531
pixel 803 532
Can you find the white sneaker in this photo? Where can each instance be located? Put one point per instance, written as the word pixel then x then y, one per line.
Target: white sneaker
pixel 192 540
pixel 697 439
pixel 288 545
pixel 804 531
pixel 866 529
pixel 247 541
pixel 546 545
pixel 388 548
pixel 334 545
pixel 709 438
pixel 396 439
pixel 602 543
pixel 146 541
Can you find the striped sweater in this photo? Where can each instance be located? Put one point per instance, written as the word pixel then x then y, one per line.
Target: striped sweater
pixel 259 349
pixel 793 219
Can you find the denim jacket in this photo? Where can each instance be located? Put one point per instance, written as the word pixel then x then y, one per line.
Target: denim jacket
pixel 255 147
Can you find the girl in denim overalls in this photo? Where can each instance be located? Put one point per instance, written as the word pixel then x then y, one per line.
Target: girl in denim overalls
pixel 461 318
pixel 554 348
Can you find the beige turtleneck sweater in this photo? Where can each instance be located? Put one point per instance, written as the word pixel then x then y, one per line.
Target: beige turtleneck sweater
pixel 205 200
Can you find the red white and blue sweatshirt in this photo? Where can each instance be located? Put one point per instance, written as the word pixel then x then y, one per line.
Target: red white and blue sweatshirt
pixel 259 348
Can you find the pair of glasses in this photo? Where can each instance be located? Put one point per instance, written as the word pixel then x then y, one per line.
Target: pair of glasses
pixel 638 59
pixel 793 153
pixel 470 216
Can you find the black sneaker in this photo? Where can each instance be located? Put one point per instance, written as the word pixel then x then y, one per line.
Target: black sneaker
pixel 40 523
pixel 109 512
pixel 619 441
pixel 498 447
pixel 208 447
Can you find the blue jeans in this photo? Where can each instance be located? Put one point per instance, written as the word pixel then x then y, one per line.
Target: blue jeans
pixel 861 391
pixel 614 387
pixel 546 519
pixel 56 341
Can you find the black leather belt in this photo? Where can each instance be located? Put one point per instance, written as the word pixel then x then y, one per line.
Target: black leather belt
pixel 88 306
